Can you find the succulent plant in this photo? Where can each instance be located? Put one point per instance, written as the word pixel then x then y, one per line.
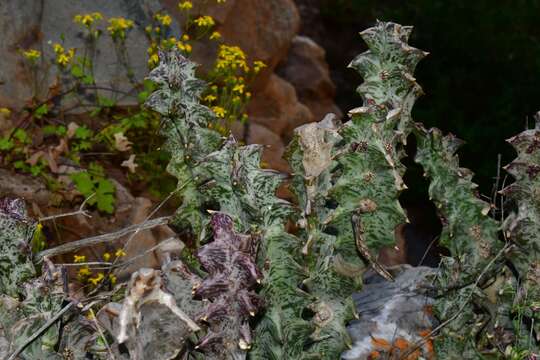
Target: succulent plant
pixel 27 301
pixel 522 229
pixel 222 176
pixel 188 138
pixel 470 235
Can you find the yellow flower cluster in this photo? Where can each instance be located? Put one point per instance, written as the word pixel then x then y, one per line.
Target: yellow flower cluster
pixel 84 272
pixel 231 57
pixel 118 27
pixel 164 20
pixel 258 65
pixel 219 111
pixel 185 5
pixel 32 55
pixel 87 19
pixel 63 57
pixel 204 21
pixel 215 36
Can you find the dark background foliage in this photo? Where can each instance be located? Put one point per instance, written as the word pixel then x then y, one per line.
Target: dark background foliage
pixel 481 79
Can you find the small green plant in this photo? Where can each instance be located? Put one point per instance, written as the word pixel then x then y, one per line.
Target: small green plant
pixel 95 187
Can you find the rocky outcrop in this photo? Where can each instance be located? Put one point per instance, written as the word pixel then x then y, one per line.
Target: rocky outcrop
pixel 277 108
pixel 306 69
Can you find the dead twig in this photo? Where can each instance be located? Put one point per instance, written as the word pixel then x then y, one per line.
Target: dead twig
pixel 99 239
pixel 81 211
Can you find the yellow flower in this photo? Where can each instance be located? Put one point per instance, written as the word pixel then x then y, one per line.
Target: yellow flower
pixel 205 20
pixel 238 88
pixel 58 49
pixel 112 279
pixel 153 60
pixel 84 271
pixel 106 256
pixel 79 258
pixel 215 36
pixel 219 111
pixel 120 253
pixel 165 20
pixel 210 98
pixel 186 5
pixel 258 65
pixel 32 54
pixel 188 48
pixel 5 112
pixel 64 58
pixel 220 1
pixel 87 19
pixel 185 37
pixel 96 280
pixel 248 95
pixel 118 27
pixel 231 58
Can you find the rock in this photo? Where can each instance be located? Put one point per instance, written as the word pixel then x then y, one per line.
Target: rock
pixel 29 24
pixel 393 316
pixel 23 186
pixel 262 28
pixel 306 69
pixel 277 108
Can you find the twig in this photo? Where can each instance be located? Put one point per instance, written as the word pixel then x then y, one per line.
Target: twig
pixel 101 334
pixel 91 263
pixel 68 247
pixel 41 330
pixel 427 250
pixel 134 258
pixel 72 213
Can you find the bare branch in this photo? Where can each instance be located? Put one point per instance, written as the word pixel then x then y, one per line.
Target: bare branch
pixel 100 239
pixel 72 213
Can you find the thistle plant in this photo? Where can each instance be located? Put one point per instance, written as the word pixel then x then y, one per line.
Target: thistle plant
pixel 521 226
pixel 468 232
pixel 27 301
pixel 215 173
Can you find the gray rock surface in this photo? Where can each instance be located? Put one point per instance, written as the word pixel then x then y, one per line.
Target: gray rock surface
pixel 393 316
pixel 32 24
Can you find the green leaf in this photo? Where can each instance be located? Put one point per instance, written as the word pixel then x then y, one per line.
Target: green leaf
pixel 105 203
pixel 83 182
pixel 6 144
pixel 105 186
pixel 83 132
pixel 77 71
pixel 88 79
pixel 22 136
pixel 41 111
